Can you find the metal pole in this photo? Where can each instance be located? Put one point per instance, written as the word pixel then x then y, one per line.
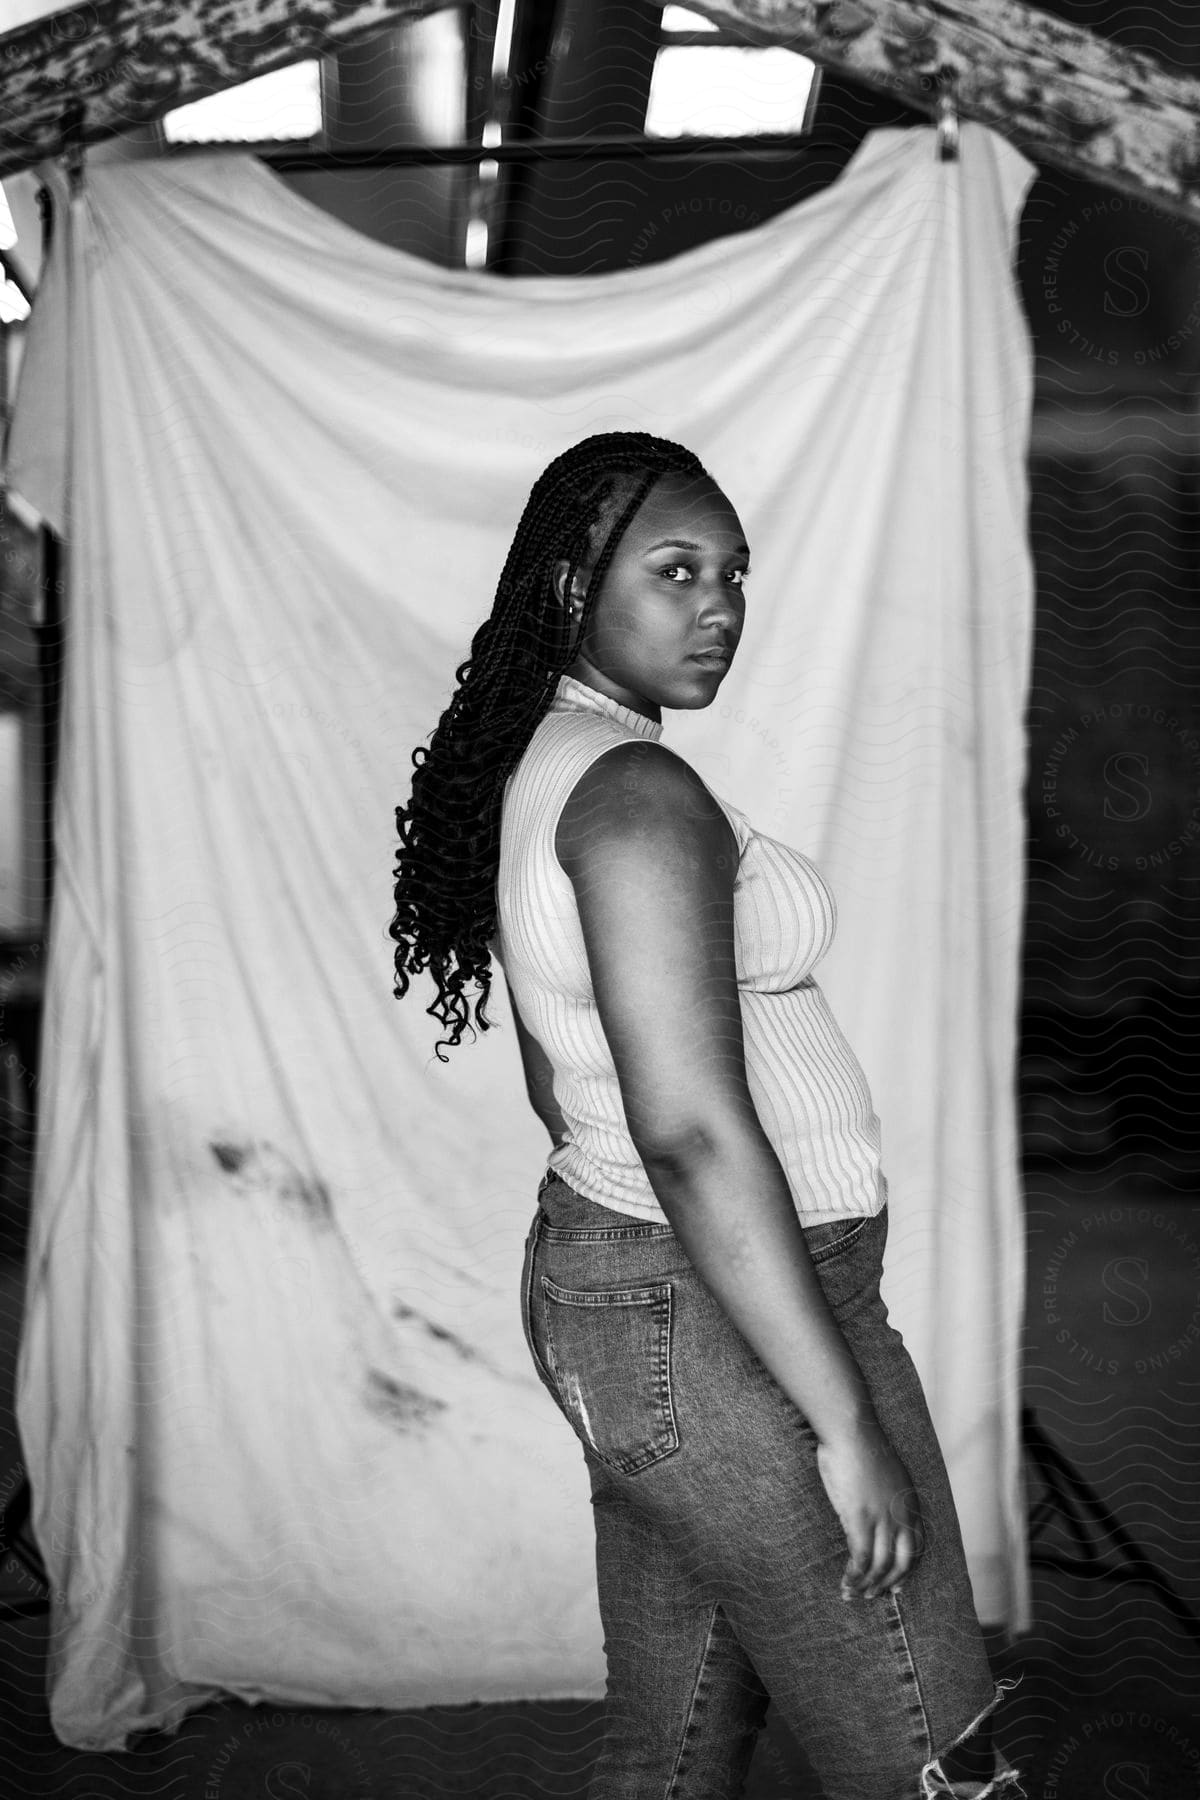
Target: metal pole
pixel 49 633
pixel 532 150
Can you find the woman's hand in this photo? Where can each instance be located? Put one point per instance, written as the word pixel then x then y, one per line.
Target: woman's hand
pixel 870 1490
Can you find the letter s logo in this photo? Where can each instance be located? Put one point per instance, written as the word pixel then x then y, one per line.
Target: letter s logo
pixel 1138 805
pixel 279 1783
pixel 1120 1778
pixel 1116 1281
pixel 1138 290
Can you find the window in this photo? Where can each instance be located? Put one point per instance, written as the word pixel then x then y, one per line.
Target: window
pixel 706 84
pixel 280 107
pixel 14 307
pixel 13 304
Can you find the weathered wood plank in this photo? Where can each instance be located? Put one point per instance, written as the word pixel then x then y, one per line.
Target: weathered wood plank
pixel 1066 97
pixel 1062 95
pixel 129 63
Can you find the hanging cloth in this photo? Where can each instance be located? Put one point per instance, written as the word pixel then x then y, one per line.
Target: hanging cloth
pixel 282 1430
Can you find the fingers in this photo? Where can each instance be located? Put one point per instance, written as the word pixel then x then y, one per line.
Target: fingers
pixel 902 1554
pixel 909 1545
pixel 883 1558
pixel 861 1559
pixel 892 1553
pixel 869 1560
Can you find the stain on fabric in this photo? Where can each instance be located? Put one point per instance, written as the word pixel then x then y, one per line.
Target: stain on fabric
pixel 259 1168
pixel 409 1313
pixel 230 1156
pixel 397 1401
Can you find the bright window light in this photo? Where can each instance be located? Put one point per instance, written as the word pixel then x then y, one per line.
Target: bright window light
pixel 727 91
pixel 476 244
pixel 12 829
pixel 678 18
pixel 8 231
pixel 438 94
pixel 13 305
pixel 285 104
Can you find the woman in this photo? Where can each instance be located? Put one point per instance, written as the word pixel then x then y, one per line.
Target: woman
pixel 700 1292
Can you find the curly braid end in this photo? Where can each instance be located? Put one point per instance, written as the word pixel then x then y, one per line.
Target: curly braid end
pixel 445 874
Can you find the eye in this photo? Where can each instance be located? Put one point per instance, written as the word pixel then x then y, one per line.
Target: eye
pixel 737 576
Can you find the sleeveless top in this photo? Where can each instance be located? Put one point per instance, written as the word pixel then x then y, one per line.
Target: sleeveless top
pixel 808 1088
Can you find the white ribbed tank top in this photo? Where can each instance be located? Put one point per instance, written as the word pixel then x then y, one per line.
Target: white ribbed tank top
pixel 807 1085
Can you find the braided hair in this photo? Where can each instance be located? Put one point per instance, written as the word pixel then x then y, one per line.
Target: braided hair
pixel 445 874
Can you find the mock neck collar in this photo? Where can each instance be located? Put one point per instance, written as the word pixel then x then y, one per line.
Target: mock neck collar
pixel 571 693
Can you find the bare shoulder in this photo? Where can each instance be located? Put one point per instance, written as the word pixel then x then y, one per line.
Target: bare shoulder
pixel 639 791
pixel 652 861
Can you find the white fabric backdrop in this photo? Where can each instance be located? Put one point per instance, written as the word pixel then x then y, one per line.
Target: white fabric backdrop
pixel 283 1433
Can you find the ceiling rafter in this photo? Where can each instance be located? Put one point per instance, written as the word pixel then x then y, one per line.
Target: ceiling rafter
pixel 93 71
pixel 1063 95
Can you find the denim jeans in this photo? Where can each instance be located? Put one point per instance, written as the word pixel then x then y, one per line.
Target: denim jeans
pixel 718 1555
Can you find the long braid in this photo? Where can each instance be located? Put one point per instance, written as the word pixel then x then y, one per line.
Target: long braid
pixel 445 874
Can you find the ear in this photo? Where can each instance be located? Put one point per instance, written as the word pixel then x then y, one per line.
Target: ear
pixel 559 578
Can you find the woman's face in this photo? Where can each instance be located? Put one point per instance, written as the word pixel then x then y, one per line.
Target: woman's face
pixel 673 587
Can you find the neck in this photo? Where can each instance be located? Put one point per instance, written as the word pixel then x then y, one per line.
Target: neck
pixel 582 670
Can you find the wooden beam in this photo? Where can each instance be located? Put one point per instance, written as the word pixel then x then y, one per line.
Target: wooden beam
pixel 1062 95
pixel 111 65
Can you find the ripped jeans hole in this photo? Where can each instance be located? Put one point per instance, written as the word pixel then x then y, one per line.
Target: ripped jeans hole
pixel 935 1786
pixel 1004 1781
pixel 575 1401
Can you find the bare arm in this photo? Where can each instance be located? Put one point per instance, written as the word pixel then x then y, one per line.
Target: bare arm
pixel 653 861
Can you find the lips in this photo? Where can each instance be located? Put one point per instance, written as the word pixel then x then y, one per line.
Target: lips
pixel 715 658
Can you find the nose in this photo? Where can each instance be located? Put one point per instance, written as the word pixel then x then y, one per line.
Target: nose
pixel 720 601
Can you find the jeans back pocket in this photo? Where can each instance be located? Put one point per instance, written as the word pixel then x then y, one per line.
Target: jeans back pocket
pixel 609 1353
pixel 827 1241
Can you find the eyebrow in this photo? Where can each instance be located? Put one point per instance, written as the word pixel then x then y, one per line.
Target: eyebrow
pixel 685 544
